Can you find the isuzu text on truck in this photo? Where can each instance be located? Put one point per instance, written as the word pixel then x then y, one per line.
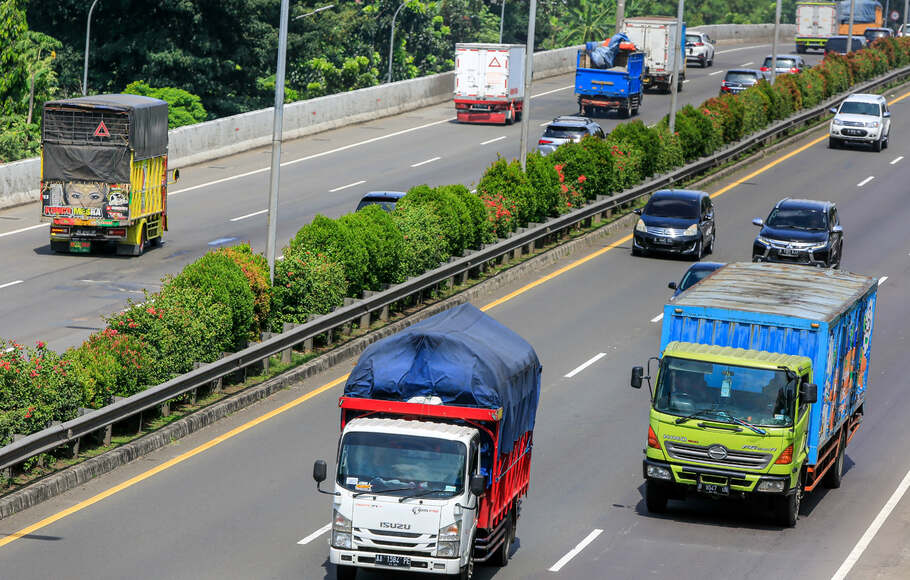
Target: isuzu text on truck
pixel 104 172
pixel 761 384
pixel 435 450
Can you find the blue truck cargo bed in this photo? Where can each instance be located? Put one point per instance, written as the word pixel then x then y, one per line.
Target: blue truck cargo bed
pixel 826 315
pixel 619 81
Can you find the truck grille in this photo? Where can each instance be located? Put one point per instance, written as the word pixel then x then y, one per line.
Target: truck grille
pixel 394 542
pixel 734 458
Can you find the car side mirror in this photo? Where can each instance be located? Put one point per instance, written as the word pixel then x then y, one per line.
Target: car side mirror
pixel 672 285
pixel 833 110
pixel 709 215
pixel 808 393
pixel 637 373
pixel 319 470
pixel 758 222
pixel 838 229
pixel 477 484
pixel 637 211
pixel 886 114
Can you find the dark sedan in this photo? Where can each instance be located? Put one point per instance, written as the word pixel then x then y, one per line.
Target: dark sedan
pixel 800 231
pixel 695 274
pixel 384 199
pixel 676 221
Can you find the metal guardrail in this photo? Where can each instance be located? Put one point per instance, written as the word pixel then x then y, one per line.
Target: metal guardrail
pixel 61 434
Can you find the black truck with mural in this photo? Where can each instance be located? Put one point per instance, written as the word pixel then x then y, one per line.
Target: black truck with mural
pixel 104 172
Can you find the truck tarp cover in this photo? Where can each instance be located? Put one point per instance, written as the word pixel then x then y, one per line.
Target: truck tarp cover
pixel 77 148
pixel 602 54
pixel 463 357
pixel 863 11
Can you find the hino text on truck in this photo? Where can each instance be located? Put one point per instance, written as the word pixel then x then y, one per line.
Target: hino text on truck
pixel 489 82
pixel 435 450
pixel 760 387
pixel 104 172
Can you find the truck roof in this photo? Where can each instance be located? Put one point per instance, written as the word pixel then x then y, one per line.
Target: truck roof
pixel 411 427
pixel 782 289
pixel 758 358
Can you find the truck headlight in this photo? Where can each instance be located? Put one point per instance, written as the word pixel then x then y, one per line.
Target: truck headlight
pixel 341 531
pixel 691 230
pixel 640 226
pixel 448 541
pixel 658 472
pixel 771 485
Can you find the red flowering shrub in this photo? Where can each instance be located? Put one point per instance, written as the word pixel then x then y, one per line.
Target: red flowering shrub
pixel 256 269
pixel 111 363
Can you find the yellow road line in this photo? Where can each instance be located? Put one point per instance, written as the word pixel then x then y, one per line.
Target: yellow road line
pixel 287 406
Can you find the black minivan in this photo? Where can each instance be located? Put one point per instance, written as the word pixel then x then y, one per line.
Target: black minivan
pixel 838 44
pixel 676 221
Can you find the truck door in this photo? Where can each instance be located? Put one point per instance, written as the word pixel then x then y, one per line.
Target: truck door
pixel 495 64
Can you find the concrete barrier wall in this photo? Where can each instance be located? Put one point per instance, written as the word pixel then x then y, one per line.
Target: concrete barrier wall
pixel 19 181
pixel 746 33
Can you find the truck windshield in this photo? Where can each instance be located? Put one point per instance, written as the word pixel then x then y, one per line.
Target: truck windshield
pixel 758 396
pixel 401 464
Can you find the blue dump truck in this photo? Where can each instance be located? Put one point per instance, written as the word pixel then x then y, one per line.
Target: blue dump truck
pixel 617 88
pixel 761 384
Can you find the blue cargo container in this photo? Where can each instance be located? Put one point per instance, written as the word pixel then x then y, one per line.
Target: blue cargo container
pixel 825 315
pixel 618 88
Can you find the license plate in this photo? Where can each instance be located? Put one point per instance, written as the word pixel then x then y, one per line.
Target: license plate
pixel 79 246
pixel 393 561
pixel 713 488
pixel 85 233
pixel 788 252
pixel 662 241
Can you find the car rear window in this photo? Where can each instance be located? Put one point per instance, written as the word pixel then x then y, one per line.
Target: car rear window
pixel 672 208
pixel 564 132
pixel 741 77
pixel 840 44
pixel 781 62
pixel 859 108
pixel 692 38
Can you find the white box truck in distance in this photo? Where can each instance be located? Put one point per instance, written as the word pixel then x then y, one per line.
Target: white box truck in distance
pixel 489 82
pixel 655 35
pixel 815 22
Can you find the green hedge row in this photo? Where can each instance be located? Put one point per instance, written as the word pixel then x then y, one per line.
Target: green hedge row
pixel 223 300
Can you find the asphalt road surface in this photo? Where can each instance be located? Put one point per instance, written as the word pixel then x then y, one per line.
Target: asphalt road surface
pixel 237 502
pixel 60 299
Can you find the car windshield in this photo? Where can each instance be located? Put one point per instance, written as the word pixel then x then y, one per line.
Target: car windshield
pixel 401 464
pixel 797 218
pixel 693 276
pixel 721 392
pixel 565 132
pixel 782 62
pixel 672 208
pixel 741 77
pixel 860 108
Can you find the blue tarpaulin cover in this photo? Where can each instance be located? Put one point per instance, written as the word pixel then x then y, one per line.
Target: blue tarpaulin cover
pixel 602 56
pixel 863 11
pixel 462 356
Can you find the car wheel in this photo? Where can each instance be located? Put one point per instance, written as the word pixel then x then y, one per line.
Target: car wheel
pixel 886 141
pixel 833 143
pixel 637 251
pixel 699 252
pixel 704 62
pixel 713 239
pixel 877 146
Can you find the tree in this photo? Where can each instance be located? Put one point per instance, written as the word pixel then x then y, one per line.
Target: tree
pixel 587 22
pixel 183 108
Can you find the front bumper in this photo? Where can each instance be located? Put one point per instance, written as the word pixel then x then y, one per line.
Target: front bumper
pixel 421 564
pixel 682 245
pixel 763 253
pixel 685 478
pixel 856 134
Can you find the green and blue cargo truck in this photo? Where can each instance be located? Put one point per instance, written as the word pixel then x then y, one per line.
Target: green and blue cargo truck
pixel 760 385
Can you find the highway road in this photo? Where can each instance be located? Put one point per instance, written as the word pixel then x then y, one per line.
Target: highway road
pixel 60 299
pixel 237 501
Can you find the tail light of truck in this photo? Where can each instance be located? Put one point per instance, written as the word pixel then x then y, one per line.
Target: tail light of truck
pixel 544 142
pixel 59 230
pixel 117 232
pixel 652 438
pixel 786 458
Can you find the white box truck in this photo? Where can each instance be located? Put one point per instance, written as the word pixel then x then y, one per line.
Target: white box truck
pixel 489 82
pixel 655 36
pixel 815 22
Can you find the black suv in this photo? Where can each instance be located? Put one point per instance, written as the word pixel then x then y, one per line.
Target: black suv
pixel 800 231
pixel 676 221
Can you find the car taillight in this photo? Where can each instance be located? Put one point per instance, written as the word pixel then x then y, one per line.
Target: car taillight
pixel 652 439
pixel 765 69
pixel 794 70
pixel 59 230
pixel 699 44
pixel 544 142
pixel 786 457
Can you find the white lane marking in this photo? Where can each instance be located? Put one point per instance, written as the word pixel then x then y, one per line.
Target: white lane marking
pixel 897 160
pixel 249 215
pixel 545 124
pixel 425 162
pixel 658 318
pixel 551 92
pixel 747 64
pixel 8 284
pixel 687 80
pixel 3 235
pixel 717 72
pixel 743 48
pixel 873 528
pixel 882 280
pixel 575 551
pixel 585 365
pixel 493 140
pixel 356 183
pixel 315 534
pixel 865 181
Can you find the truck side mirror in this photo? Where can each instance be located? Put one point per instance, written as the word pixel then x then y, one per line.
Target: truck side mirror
pixel 808 393
pixel 637 373
pixel 319 470
pixel 478 484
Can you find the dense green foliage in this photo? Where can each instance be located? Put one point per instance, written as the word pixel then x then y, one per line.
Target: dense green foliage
pixel 183 108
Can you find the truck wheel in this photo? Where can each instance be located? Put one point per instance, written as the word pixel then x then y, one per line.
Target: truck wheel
pixel 60 247
pixel 788 506
pixel 510 115
pixel 655 497
pixel 501 557
pixel 467 573
pixel 345 572
pixel 835 475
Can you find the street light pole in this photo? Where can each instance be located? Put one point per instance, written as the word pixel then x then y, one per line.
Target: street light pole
pixel 88 27
pixel 850 29
pixel 529 70
pixel 502 19
pixel 906 9
pixel 620 14
pixel 277 131
pixel 774 43
pixel 392 40
pixel 677 56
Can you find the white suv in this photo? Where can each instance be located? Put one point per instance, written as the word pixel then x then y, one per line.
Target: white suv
pixel 861 118
pixel 699 48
